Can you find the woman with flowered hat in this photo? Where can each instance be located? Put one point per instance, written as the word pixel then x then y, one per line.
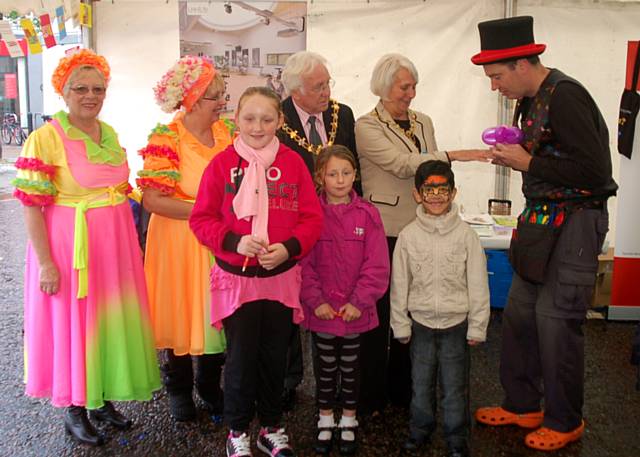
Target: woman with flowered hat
pixel 88 336
pixel 176 264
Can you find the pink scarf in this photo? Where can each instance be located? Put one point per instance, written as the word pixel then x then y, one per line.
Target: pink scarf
pixel 252 199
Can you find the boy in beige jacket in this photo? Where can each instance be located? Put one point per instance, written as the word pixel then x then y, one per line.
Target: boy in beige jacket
pixel 439 302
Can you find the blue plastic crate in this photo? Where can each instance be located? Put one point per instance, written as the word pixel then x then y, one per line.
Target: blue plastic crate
pixel 500 274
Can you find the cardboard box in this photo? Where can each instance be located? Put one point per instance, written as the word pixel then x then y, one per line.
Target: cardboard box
pixel 602 290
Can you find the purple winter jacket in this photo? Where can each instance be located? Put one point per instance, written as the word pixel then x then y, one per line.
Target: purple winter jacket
pixel 348 264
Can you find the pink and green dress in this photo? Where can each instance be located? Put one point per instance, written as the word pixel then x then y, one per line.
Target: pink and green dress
pixel 92 341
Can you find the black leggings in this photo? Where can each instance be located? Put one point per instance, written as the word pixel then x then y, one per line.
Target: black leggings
pixel 337 355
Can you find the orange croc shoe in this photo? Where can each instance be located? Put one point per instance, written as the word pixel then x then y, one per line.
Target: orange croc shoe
pixel 545 439
pixel 495 415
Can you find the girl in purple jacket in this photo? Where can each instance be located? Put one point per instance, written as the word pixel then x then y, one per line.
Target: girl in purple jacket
pixel 344 275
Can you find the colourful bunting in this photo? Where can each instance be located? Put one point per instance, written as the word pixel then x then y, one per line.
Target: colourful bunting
pixel 4 50
pixel 9 39
pixel 30 34
pixel 47 32
pixel 62 30
pixel 84 16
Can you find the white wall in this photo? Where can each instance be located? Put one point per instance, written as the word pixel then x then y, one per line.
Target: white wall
pixel 141 42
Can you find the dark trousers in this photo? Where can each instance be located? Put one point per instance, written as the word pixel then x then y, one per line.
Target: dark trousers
pixel 440 356
pixel 295 362
pixel 178 374
pixel 542 336
pixel 385 364
pixel 337 361
pixel 257 337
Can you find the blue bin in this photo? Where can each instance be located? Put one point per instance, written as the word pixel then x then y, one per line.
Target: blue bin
pixel 500 274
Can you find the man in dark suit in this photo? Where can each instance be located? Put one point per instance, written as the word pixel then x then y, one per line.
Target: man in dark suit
pixel 312 120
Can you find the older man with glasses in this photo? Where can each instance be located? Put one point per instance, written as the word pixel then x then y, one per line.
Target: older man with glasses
pixel 312 120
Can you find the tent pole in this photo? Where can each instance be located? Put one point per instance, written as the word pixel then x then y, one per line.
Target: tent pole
pixel 505 108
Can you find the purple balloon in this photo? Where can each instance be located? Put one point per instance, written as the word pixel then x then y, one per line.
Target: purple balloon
pixel 503 134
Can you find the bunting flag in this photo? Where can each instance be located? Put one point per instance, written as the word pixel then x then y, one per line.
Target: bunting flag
pixel 84 15
pixel 47 32
pixel 30 34
pixel 62 30
pixel 4 49
pixel 13 48
pixel 71 11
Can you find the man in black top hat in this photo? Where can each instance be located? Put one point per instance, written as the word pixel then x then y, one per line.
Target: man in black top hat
pixel 566 180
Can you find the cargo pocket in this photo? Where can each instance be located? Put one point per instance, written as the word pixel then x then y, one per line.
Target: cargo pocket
pixel 575 287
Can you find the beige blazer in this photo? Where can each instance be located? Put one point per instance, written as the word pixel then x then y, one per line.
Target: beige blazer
pixel 388 164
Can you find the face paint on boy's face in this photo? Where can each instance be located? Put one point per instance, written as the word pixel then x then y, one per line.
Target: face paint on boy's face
pixel 436 195
pixel 435 187
pixel 431 192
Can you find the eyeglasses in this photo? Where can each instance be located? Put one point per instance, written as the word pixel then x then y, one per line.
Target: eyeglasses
pixel 432 191
pixel 216 98
pixel 321 87
pixel 84 90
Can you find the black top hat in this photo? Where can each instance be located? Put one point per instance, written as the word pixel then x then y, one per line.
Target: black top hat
pixel 506 39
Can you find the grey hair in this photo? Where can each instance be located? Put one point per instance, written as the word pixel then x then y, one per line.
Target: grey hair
pixel 72 77
pixel 385 71
pixel 297 65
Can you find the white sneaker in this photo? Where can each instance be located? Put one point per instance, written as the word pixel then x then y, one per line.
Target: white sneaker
pixel 238 444
pixel 274 442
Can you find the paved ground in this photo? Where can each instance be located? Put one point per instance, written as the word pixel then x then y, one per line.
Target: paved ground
pixel 33 428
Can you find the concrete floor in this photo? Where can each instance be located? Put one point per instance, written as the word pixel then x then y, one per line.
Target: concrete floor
pixel 31 427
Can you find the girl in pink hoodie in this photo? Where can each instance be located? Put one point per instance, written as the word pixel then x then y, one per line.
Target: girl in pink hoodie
pixel 345 274
pixel 257 211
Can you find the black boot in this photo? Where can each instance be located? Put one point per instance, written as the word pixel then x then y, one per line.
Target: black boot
pixel 177 374
pixel 109 415
pixel 207 380
pixel 76 424
pixel 181 406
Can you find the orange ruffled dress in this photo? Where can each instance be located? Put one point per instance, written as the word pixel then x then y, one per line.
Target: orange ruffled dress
pixel 176 265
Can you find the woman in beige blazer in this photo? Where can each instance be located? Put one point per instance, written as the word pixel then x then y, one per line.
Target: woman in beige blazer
pixel 393 141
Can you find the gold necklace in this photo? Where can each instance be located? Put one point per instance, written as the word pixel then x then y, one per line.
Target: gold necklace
pixel 303 143
pixel 412 124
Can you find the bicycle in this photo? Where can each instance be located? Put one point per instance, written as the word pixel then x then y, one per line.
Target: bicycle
pixel 12 130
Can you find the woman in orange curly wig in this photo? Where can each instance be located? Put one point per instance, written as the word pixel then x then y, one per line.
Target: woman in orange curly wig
pixel 176 265
pixel 88 337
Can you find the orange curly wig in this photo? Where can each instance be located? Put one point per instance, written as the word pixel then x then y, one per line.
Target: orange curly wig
pixel 80 58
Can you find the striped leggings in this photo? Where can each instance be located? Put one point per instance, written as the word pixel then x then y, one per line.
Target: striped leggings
pixel 337 360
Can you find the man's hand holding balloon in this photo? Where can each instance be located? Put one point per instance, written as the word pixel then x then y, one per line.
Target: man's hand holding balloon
pixel 506 147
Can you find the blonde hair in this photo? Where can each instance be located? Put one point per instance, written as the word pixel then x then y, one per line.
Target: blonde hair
pixel 385 71
pixel 260 90
pixel 339 152
pixel 215 87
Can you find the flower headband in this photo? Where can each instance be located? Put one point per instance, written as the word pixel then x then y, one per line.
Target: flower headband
pixel 184 83
pixel 80 58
